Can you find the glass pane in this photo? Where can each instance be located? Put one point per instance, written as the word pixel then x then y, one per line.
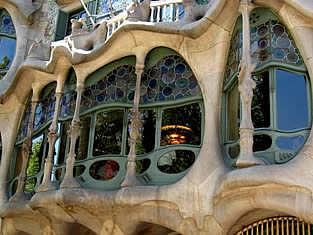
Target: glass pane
pixel 7 53
pixel 142 165
pixel 181 125
pixel 108 133
pixel 260 108
pixel 104 170
pixel 83 141
pixel 292 100
pixel 30 185
pixel 63 141
pixel 78 170
pixel 234 150
pixel 233 113
pixel 261 142
pixel 176 161
pixel 290 143
pixel 146 143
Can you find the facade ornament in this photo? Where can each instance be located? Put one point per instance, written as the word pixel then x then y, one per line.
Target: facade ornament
pixel 138 11
pixel 27 7
pixel 69 181
pixel 82 39
pixel 195 10
pixel 39 50
pixel 46 184
pixel 79 26
pixel 25 152
pixel 135 128
pixel 246 157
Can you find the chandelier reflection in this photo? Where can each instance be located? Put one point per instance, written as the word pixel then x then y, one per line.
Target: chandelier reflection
pixel 176 134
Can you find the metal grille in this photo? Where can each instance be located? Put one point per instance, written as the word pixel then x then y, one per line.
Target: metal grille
pixel 278 226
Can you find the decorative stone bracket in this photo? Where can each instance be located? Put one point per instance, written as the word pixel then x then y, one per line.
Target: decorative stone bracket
pixel 27 7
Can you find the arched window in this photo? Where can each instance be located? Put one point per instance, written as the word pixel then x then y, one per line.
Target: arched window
pixel 281 109
pixel 7 42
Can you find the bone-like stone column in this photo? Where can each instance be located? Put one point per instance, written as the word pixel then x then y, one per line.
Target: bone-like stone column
pixel 46 184
pixel 69 181
pixel 136 124
pixel 246 157
pixel 26 151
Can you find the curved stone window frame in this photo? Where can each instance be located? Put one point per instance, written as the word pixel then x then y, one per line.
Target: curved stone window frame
pixel 273 154
pixel 8 35
pixel 101 82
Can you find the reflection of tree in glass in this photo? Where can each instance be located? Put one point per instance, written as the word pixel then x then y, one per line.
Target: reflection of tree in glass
pixel 33 165
pixel 108 133
pixel 4 66
pixel 188 116
pixel 176 161
pixel 260 108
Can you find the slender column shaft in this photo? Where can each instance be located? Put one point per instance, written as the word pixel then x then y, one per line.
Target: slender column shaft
pixel 136 124
pixel 158 14
pixel 177 12
pixel 172 12
pixel 46 184
pixel 246 157
pixel 69 181
pixel 26 151
pixel 152 14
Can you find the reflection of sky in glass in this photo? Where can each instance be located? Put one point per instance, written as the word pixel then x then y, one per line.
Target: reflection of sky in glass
pixel 7 48
pixel 292 100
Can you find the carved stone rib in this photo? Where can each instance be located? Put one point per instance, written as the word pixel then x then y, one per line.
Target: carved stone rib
pixel 246 157
pixel 135 126
pixel 46 184
pixel 69 181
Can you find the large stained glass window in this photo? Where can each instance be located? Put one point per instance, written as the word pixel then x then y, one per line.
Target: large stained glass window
pixel 7 42
pixel 281 105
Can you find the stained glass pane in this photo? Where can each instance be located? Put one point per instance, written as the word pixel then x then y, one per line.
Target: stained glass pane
pixel 181 125
pixel 25 122
pixel 108 133
pixel 6 23
pixel 270 40
pixel 117 86
pixel 170 79
pixel 292 100
pixel 235 52
pixel 260 109
pixel 45 108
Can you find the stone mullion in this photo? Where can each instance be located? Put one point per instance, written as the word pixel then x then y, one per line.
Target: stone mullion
pixel 46 184
pixel 69 181
pixel 26 150
pixel 136 124
pixel 246 157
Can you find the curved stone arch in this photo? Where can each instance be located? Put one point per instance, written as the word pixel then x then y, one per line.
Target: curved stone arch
pixel 282 199
pixel 19 22
pixel 157 213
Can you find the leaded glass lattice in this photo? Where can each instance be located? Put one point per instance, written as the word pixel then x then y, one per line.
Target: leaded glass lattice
pixel 170 79
pixel 45 108
pixel 7 42
pixel 118 86
pixel 23 130
pixel 270 42
pixel 6 23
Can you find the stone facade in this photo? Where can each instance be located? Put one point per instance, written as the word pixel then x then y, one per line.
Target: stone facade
pixel 212 198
